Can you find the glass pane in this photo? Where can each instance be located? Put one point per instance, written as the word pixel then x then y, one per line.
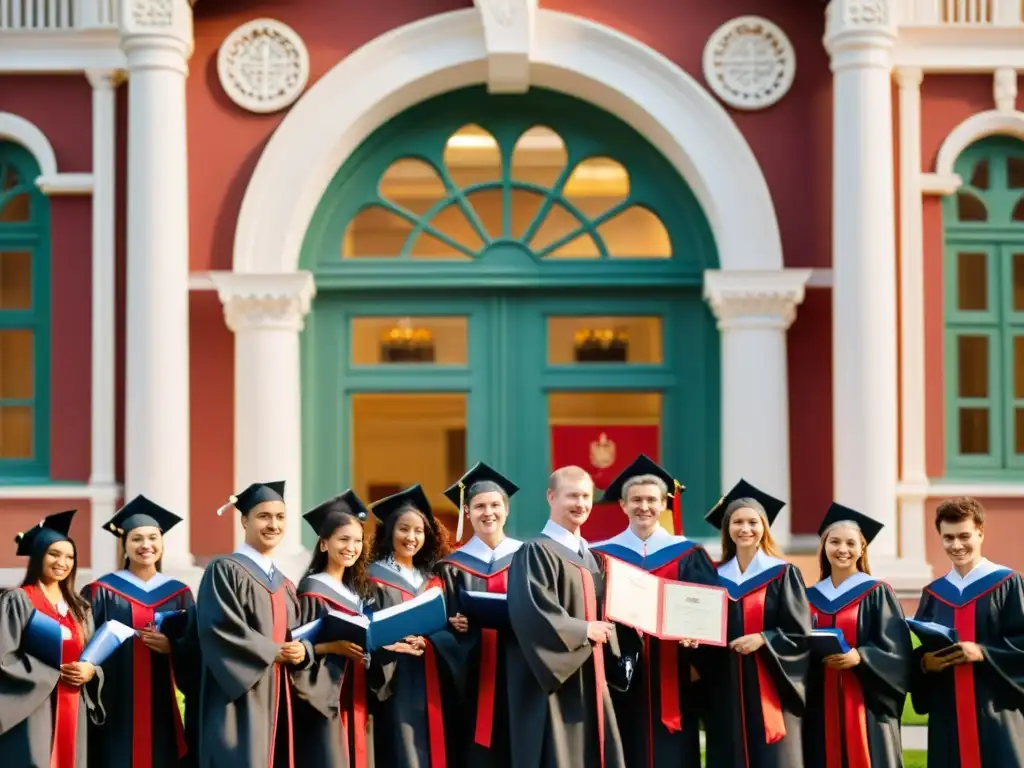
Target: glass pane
pixel 1018 430
pixel 382 340
pixel 16 209
pixel 15 280
pixel 972 359
pixel 539 157
pixel 580 247
pixel 453 225
pixel 1018 367
pixel 488 205
pixel 525 207
pixel 15 365
pixel 974 438
pixel 979 176
pixel 605 340
pixel 970 208
pixel 15 432
pixel 402 439
pixel 375 232
pixel 9 177
pixel 472 156
pixel 1015 172
pixel 1018 281
pixel 557 224
pixel 1018 210
pixel 412 184
pixel 596 184
pixel 636 232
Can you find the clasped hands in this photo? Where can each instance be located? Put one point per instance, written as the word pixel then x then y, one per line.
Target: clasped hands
pixel 292 652
pixel 954 655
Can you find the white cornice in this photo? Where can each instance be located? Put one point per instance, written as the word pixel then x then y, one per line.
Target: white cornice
pixel 55 51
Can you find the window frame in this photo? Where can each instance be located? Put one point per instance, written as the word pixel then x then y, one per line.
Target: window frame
pixel 32 236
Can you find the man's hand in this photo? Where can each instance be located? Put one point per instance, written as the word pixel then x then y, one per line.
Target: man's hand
pixel 841 661
pixel 937 661
pixel 155 641
pixel 77 673
pixel 340 648
pixel 291 653
pixel 967 653
pixel 459 622
pixel 689 643
pixel 405 648
pixel 747 644
pixel 599 631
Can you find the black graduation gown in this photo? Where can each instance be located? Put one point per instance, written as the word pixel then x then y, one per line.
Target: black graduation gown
pixel 753 704
pixel 331 727
pixel 975 711
pixel 657 715
pixel 415 714
pixel 35 707
pixel 245 702
pixel 852 718
pixel 558 690
pixel 143 728
pixel 484 661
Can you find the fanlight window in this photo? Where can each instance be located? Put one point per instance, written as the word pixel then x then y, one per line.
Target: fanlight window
pixel 525 191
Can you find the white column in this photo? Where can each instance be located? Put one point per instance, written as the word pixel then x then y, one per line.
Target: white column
pixel 102 480
pixel 754 309
pixel 157 41
pixel 859 37
pixel 267 312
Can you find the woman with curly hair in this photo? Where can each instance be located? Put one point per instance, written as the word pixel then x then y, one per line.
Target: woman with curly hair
pixel 410 730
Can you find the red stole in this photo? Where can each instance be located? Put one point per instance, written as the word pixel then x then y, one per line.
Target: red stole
pixel 496 583
pixel 752 605
pixel 65 724
pixel 590 614
pixel 279 610
pixel 845 713
pixel 668 656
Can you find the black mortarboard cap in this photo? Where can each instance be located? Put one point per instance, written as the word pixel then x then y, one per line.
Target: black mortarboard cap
pixel 138 513
pixel 744 490
pixel 642 465
pixel 51 529
pixel 410 497
pixel 837 513
pixel 325 516
pixel 479 474
pixel 257 493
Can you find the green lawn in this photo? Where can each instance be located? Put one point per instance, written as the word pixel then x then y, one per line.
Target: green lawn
pixel 910 717
pixel 915 759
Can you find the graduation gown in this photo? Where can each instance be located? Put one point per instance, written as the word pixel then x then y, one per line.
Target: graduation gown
pixel 331 725
pixel 657 716
pixel 42 720
pixel 753 704
pixel 558 692
pixel 852 717
pixel 245 703
pixel 415 715
pixel 484 662
pixel 143 728
pixel 975 711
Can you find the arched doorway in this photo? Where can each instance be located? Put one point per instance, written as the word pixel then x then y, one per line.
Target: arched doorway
pixel 512 279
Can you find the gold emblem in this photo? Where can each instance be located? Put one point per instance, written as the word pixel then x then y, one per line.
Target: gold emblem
pixel 602 452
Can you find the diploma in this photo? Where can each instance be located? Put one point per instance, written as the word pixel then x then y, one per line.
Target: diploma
pixel 633 597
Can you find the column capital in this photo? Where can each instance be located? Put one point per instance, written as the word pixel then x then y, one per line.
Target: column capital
pixel 156 25
pixel 755 298
pixel 909 77
pixel 860 33
pixel 105 79
pixel 254 301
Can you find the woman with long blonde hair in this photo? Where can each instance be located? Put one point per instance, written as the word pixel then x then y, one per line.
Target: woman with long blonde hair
pixel 752 719
pixel 855 693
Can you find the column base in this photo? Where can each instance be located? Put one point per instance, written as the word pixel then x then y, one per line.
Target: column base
pixel 906 576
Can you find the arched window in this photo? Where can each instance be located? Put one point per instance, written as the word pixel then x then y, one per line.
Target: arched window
pixel 24 317
pixel 984 311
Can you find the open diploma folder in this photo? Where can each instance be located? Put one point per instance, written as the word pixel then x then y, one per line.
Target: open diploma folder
pixel 933 637
pixel 108 638
pixel 827 642
pixel 43 639
pixel 485 609
pixel 424 615
pixel 668 609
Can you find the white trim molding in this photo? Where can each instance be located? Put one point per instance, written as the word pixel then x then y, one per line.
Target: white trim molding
pixel 90 491
pixel 934 489
pixel 940 185
pixel 570 54
pixel 508 36
pixel 979 126
pixel 26 133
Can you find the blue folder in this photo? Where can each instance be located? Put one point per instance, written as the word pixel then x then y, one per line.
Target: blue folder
pixel 933 637
pixel 43 639
pixel 108 638
pixel 485 609
pixel 827 642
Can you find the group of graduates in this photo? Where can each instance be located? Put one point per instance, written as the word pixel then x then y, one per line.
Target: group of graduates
pixel 559 687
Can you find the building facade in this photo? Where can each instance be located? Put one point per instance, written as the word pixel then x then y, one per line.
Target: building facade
pixel 367 245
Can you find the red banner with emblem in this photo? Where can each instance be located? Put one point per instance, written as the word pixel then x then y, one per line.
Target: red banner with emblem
pixel 604 452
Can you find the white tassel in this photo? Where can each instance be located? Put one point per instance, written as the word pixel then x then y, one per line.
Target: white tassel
pixel 462 513
pixel 226 507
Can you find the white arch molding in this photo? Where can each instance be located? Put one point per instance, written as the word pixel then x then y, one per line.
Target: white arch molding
pixel 573 55
pixel 26 133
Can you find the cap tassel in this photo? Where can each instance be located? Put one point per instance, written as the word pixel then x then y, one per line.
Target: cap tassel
pixel 462 513
pixel 677 509
pixel 229 505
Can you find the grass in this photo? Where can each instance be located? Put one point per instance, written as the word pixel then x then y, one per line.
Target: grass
pixel 915 758
pixel 910 717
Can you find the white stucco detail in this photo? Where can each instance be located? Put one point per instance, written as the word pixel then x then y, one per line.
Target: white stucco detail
pixel 263 65
pixel 508 35
pixel 749 63
pixel 991 123
pixel 26 133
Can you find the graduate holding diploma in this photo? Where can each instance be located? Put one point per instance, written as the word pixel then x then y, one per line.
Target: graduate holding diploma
pixel 46 692
pixel 657 715
pixel 755 688
pixel 471 573
pixel 855 697
pixel 972 690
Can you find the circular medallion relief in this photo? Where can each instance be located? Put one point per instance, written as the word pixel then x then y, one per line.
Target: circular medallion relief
pixel 263 65
pixel 749 63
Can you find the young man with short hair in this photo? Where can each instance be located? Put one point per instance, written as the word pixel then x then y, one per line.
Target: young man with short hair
pixel 972 690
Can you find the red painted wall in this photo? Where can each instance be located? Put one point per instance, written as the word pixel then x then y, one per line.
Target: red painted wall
pixel 20 515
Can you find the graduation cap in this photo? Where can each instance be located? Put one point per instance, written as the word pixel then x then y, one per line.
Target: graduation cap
pixel 644 465
pixel 138 513
pixel 744 490
pixel 410 497
pixel 257 493
pixel 481 473
pixel 326 515
pixel 51 529
pixel 837 513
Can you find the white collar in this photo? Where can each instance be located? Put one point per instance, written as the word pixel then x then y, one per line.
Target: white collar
pixel 830 592
pixel 338 587
pixel 265 563
pixel 413 575
pixel 758 565
pixel 475 547
pixel 155 582
pixel 980 571
pixel 557 533
pixel 658 540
